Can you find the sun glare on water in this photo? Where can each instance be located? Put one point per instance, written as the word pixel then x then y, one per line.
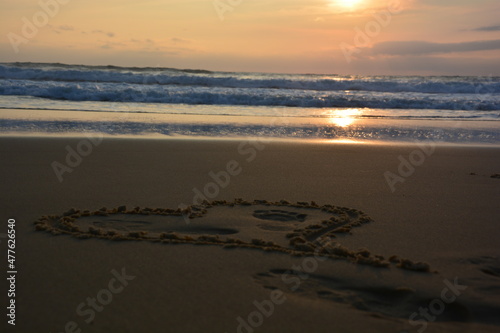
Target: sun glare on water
pixel 343 117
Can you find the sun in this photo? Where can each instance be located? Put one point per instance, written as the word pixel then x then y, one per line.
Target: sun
pixel 350 4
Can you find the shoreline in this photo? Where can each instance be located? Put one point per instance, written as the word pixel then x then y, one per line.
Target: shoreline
pixel 47 123
pixel 266 140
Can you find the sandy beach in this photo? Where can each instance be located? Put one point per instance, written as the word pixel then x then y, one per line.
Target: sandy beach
pixel 238 266
pixel 250 167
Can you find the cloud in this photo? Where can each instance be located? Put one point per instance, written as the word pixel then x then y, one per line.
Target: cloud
pixel 66 28
pixel 404 48
pixel 61 28
pixel 179 40
pixel 107 33
pixel 488 28
pixel 69 28
pixel 111 45
pixel 149 45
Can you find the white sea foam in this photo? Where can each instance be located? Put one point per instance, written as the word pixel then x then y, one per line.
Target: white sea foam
pixel 159 76
pixel 215 95
pixel 113 90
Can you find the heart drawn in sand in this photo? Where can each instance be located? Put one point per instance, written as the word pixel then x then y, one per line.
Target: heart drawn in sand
pixel 301 229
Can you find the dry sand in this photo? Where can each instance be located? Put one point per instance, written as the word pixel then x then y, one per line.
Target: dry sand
pixel 334 265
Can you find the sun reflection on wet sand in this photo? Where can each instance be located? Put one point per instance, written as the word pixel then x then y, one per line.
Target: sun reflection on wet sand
pixel 344 117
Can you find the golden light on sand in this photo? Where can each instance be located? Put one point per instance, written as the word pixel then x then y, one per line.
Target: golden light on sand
pixel 343 118
pixel 349 4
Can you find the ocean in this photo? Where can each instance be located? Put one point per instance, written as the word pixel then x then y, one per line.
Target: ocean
pixel 60 99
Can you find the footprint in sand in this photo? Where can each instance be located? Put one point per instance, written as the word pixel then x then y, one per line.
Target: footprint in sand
pixel 376 297
pixel 487 265
pixel 300 228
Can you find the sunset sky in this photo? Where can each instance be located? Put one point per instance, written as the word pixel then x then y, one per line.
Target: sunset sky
pixel 450 37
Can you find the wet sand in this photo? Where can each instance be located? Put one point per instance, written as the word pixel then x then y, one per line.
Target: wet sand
pixel 319 241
